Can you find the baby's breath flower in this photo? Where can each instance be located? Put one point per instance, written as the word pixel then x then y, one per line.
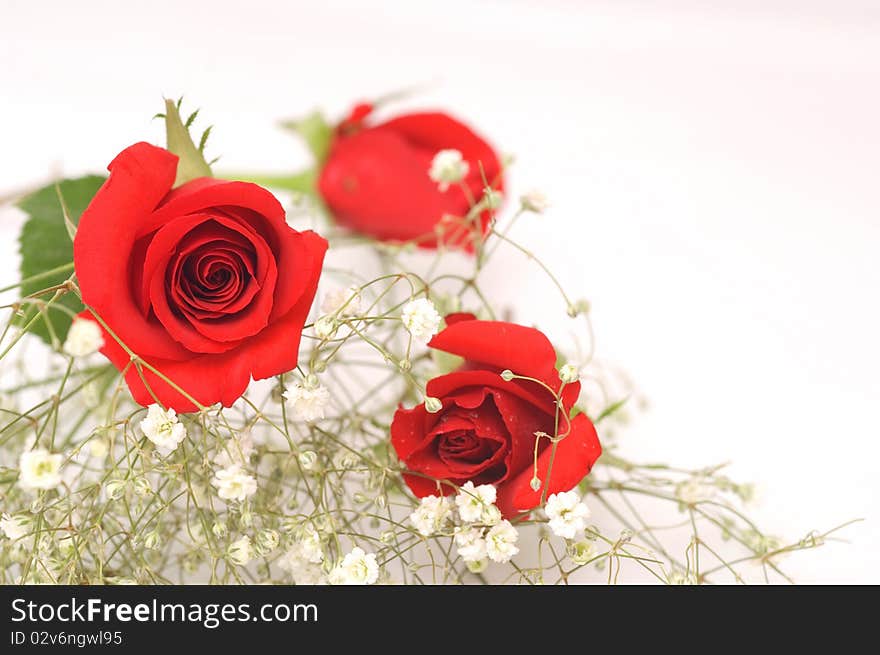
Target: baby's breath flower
pixel 567 514
pixel 307 402
pixel 237 450
pixel 581 552
pixel 693 491
pixel 234 484
pixel 308 459
pixel 568 373
pixel 421 319
pixel 83 338
pixel 448 167
pixel 431 515
pixel 492 198
pixel 325 327
pixel 471 544
pixel 356 568
pixel 163 428
pixel 98 447
pixel 310 546
pixel 477 504
pixel 501 542
pixel 40 469
pixel 433 405
pixel 343 302
pixel 534 201
pixel 115 488
pixel 15 526
pixel 267 541
pixel 477 566
pixel 240 551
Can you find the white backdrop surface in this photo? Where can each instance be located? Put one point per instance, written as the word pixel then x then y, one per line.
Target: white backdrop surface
pixel 713 169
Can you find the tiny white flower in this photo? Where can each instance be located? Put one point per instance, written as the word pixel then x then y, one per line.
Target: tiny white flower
pixel 581 552
pixel 501 542
pixel 343 302
pixel 163 428
pixel 98 447
pixel 471 544
pixel 477 504
pixel 308 460
pixel 534 201
pixel 421 319
pixel 240 551
pixel 83 338
pixel 433 405
pixel 310 547
pixel 693 491
pixel 325 327
pixel 567 514
pixel 569 373
pixel 15 526
pixel 492 198
pixel 267 541
pixel 302 572
pixel 234 484
pixel 356 568
pixel 308 403
pixel 235 451
pixel 40 469
pixel 448 167
pixel 431 515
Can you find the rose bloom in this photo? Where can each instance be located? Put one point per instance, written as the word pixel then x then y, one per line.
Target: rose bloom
pixel 485 431
pixel 206 282
pixel 376 178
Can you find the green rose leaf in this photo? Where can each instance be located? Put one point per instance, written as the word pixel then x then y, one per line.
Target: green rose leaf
pixel 46 248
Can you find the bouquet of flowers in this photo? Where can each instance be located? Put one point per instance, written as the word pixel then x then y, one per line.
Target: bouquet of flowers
pixel 202 384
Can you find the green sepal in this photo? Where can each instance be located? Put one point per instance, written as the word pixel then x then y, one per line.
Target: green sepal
pixel 192 164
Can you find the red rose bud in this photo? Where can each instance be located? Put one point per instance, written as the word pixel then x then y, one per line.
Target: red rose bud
pixel 377 179
pixel 206 283
pixel 485 431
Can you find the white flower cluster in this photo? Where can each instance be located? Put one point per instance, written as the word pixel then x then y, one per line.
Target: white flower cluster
pixel 482 533
pixel 234 484
pixel 39 469
pixel 342 302
pixel 356 568
pixel 307 401
pixel 304 558
pixel 83 338
pixel 567 514
pixel 163 428
pixel 448 167
pixel 421 319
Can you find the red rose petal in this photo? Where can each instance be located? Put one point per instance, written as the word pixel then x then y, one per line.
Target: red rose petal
pixel 140 176
pixel 575 456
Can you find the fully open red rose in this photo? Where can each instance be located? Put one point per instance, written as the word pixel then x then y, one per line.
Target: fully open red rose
pixel 485 431
pixel 375 179
pixel 206 282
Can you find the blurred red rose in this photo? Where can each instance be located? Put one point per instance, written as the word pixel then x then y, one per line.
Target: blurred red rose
pixel 375 180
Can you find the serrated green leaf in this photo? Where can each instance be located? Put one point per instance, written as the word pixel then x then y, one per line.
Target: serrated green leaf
pixel 45 245
pixel 316 132
pixel 192 162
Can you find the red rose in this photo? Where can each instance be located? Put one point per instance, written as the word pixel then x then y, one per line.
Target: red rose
pixel 375 179
pixel 206 282
pixel 485 431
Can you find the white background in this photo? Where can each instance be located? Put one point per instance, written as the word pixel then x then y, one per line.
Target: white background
pixel 713 169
